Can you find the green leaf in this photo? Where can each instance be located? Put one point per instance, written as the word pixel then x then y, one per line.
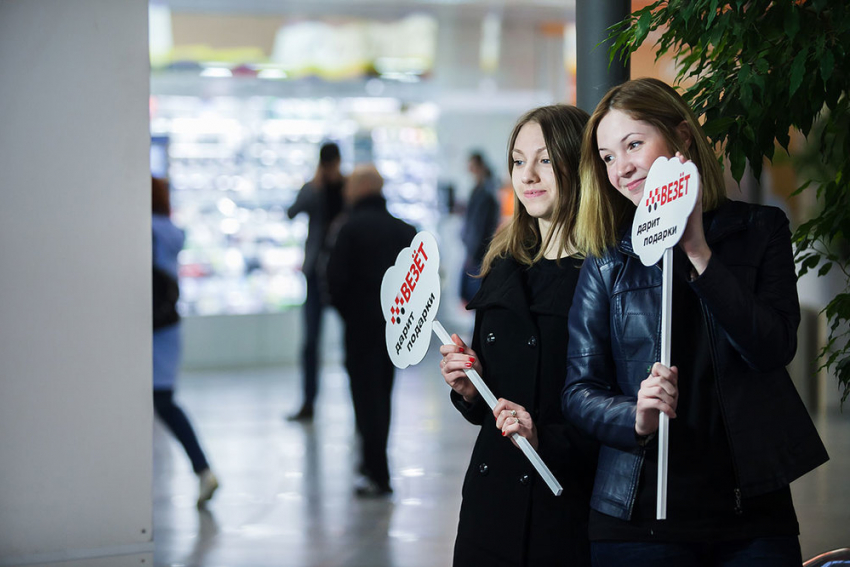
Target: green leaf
pixel 824 269
pixel 744 73
pixel 738 162
pixel 784 138
pixel 643 26
pixel 715 33
pixel 746 94
pixel 827 65
pixel 820 46
pixel 797 70
pixel 712 12
pixel 808 262
pixel 758 80
pixel 792 24
pixel 715 127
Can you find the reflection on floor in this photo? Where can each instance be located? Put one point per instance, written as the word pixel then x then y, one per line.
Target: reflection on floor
pixel 286 496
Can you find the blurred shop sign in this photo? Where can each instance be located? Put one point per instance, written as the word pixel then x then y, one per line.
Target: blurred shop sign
pixel 216 45
pixel 404 47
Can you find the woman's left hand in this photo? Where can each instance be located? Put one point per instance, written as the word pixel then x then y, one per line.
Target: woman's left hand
pixel 512 418
pixel 693 241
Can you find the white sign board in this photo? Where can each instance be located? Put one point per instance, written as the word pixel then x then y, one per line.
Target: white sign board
pixel 670 193
pixel 410 296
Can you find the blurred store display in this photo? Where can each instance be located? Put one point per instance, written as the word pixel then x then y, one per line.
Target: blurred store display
pixel 237 163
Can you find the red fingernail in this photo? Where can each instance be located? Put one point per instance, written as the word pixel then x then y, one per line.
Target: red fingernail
pixel 471 359
pixel 504 433
pixel 468 365
pixel 460 349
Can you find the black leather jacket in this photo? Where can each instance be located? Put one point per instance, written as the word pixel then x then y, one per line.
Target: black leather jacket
pixel 749 296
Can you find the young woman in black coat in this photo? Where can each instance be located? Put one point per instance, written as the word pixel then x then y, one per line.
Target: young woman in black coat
pixel 509 517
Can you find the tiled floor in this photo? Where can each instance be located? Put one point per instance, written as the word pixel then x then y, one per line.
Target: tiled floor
pixel 286 489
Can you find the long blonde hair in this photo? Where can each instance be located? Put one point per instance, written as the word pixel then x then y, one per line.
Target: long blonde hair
pixel 520 237
pixel 603 211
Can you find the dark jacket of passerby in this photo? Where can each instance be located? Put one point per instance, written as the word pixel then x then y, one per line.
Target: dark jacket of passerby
pixel 366 245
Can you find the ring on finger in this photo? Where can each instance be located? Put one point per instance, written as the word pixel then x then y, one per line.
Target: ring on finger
pixel 513 413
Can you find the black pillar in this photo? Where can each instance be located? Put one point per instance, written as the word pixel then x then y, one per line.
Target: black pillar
pixel 593 75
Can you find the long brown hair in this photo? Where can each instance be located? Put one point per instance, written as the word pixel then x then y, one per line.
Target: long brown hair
pixel 604 211
pixel 160 199
pixel 520 238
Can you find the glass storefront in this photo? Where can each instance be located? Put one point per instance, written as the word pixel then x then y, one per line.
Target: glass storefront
pixel 236 164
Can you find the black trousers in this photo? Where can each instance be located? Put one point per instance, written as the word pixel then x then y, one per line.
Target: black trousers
pixel 312 312
pixel 371 375
pixel 174 418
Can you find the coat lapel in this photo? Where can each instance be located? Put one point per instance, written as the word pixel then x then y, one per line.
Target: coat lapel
pixel 504 287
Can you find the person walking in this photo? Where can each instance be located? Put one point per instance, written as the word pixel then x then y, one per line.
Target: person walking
pixel 167 339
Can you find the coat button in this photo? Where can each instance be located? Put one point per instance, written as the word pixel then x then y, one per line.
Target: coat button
pixel 491 338
pixel 524 480
pixel 483 468
pixel 532 342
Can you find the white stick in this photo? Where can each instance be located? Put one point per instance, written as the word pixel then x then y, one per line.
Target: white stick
pixel 663 419
pixel 488 396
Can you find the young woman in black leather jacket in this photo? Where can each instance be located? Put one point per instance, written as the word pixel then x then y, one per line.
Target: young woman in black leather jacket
pixel 739 433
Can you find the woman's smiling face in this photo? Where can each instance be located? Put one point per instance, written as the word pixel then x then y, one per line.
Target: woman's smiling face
pixel 629 147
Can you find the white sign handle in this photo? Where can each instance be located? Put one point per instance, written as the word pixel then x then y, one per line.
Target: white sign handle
pixel 488 396
pixel 663 418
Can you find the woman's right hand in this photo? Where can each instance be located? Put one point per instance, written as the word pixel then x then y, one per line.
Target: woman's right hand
pixel 456 359
pixel 659 392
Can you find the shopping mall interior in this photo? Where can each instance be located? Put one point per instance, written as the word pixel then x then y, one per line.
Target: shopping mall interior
pixel 230 100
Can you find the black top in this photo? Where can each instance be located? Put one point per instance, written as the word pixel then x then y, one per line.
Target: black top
pixel 547 278
pixel 323 205
pixel 703 500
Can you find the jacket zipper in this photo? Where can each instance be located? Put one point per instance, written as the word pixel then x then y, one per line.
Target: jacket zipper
pixel 739 507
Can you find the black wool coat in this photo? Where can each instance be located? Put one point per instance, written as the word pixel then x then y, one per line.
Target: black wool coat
pixel 509 516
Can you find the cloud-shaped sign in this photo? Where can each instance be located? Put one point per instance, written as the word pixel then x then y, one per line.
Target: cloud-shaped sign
pixel 410 296
pixel 670 193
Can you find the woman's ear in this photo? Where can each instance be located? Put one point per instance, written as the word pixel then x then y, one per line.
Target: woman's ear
pixel 684 132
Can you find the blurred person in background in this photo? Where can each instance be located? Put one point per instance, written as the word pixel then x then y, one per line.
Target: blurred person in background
pixel 479 224
pixel 320 198
pixel 366 245
pixel 167 344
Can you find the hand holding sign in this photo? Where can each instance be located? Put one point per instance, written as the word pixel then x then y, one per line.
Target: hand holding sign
pixel 410 296
pixel 670 193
